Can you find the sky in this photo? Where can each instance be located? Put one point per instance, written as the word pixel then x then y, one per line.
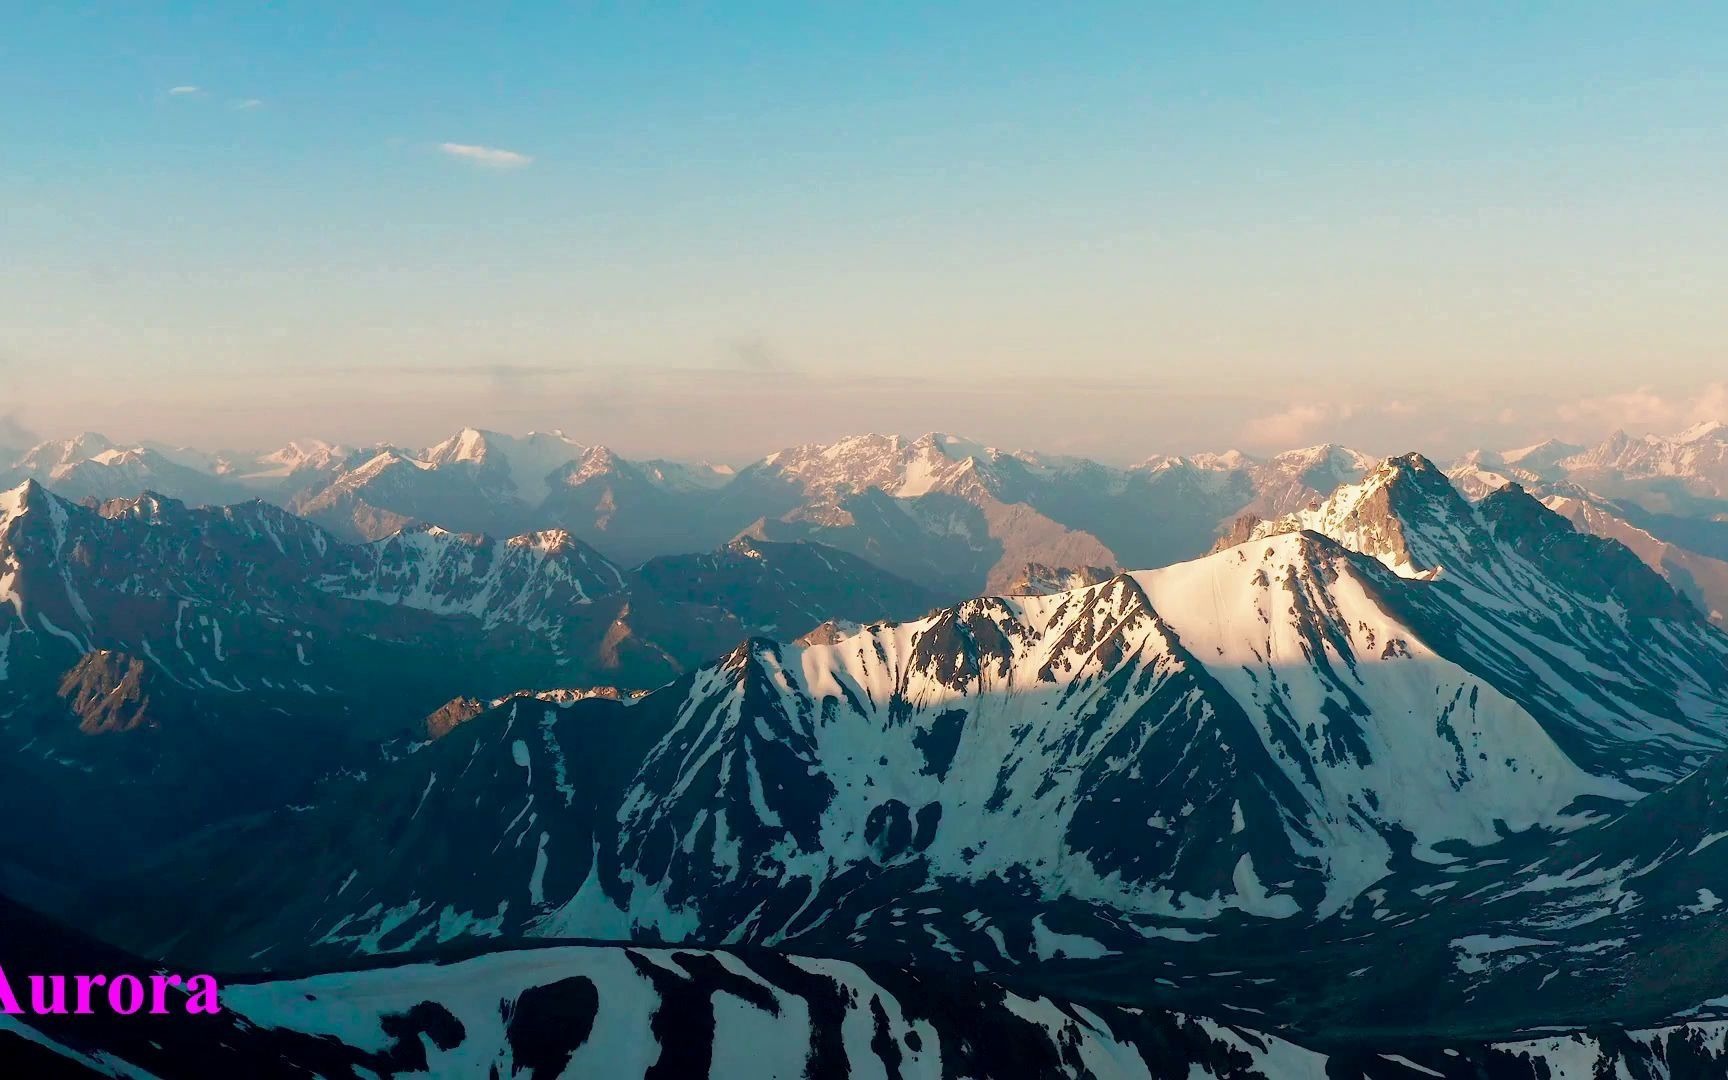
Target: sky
pixel 713 230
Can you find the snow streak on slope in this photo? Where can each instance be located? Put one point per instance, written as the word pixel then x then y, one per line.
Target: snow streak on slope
pixel 1622 672
pixel 531 580
pixel 1262 733
pixel 630 1011
pixel 1394 737
pixel 610 1011
pixel 1270 746
pixel 1701 578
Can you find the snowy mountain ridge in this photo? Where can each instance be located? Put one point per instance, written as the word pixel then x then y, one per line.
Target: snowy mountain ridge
pixel 1262 734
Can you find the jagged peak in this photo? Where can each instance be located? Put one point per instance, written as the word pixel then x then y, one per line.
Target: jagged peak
pixel 1413 460
pixel 1512 502
pixel 1240 530
pixel 560 545
pixel 307 446
pixel 469 439
pixel 544 540
pixel 793 456
pixel 23 492
pixel 748 655
pixel 752 546
pixel 1616 442
pixel 148 505
pixel 385 457
pixel 47 455
pixel 298 454
pixel 468 444
pixel 595 461
pixel 1408 471
pixel 23 499
pixel 1383 514
pixel 424 532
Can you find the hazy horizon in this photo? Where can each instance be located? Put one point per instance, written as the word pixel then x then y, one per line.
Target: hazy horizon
pixel 1660 418
pixel 1148 231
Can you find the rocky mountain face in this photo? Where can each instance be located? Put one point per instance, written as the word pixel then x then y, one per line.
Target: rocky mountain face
pixel 1040 580
pixel 1701 578
pixel 534 580
pixel 1615 922
pixel 784 589
pixel 1692 553
pixel 1566 621
pixel 198 664
pixel 248 597
pixel 172 661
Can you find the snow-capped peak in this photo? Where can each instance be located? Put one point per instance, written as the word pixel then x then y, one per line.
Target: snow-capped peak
pixel 1325 455
pixel 1227 461
pixel 1385 514
pixel 594 461
pixel 16 500
pixel 308 454
pixel 524 462
pixel 1708 429
pixel 1540 456
pixel 43 458
pixel 469 444
pixel 116 456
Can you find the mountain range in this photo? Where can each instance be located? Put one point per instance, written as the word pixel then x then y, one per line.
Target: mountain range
pixel 954 515
pixel 193 663
pixel 903 757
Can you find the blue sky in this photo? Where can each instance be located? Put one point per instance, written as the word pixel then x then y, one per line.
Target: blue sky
pixel 715 230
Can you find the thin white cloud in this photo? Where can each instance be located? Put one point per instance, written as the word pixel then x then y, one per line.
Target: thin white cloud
pixel 182 91
pixel 1294 424
pixel 489 156
pixel 1644 408
pixel 1397 423
pixel 245 104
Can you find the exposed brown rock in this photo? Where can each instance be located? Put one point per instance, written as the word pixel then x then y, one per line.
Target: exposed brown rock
pixel 453 713
pixel 109 692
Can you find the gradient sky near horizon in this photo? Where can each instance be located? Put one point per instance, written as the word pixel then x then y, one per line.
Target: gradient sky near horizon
pixel 713 230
